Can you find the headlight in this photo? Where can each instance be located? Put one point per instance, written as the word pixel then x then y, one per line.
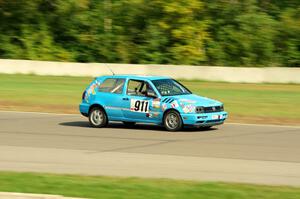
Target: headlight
pixel 222 108
pixel 199 109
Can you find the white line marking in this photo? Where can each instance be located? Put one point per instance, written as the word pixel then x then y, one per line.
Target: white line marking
pixel 41 113
pixel 271 125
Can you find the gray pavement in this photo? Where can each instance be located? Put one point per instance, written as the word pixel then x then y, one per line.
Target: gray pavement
pixel 264 154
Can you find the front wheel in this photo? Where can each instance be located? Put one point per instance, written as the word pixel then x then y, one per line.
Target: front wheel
pixel 97 117
pixel 172 121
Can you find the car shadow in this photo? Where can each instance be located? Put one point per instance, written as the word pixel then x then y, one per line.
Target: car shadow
pixel 152 127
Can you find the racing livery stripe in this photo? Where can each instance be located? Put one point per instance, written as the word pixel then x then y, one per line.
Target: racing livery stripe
pixel 117 108
pixel 171 101
pixel 127 109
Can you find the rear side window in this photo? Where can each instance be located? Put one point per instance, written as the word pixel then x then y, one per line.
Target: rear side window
pixel 112 85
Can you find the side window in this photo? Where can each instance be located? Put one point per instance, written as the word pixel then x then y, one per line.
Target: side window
pixel 112 85
pixel 138 88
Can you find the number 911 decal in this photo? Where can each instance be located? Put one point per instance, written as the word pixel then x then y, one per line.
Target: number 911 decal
pixel 139 106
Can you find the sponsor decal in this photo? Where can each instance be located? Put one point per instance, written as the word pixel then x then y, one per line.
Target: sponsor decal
pixel 91 90
pixel 155 114
pixel 139 106
pixel 189 108
pixel 164 107
pixel 217 117
pixel 174 104
pixel 156 103
pixel 181 104
pixel 86 97
pixel 152 114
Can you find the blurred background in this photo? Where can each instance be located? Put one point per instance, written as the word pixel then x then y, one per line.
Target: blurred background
pixel 235 33
pixel 193 32
pixel 256 43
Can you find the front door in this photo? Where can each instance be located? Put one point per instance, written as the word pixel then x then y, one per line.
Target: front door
pixel 138 104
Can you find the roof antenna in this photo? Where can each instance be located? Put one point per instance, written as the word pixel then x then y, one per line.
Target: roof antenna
pixel 110 69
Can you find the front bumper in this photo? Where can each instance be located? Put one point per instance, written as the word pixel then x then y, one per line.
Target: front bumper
pixel 204 119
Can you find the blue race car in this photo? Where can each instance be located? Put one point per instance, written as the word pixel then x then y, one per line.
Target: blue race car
pixel 148 99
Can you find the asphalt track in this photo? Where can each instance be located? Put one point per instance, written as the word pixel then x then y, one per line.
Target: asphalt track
pixel 263 154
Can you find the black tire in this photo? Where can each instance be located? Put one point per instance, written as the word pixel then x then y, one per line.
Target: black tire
pixel 129 124
pixel 98 117
pixel 172 121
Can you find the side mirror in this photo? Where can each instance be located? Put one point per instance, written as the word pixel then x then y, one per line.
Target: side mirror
pixel 151 94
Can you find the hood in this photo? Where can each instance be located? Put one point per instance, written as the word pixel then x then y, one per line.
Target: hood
pixel 197 100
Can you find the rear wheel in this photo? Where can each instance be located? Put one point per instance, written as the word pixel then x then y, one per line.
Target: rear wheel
pixel 97 117
pixel 172 121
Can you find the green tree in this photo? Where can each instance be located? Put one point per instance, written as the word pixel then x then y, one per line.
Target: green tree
pixel 241 34
pixel 288 38
pixel 164 31
pixel 212 32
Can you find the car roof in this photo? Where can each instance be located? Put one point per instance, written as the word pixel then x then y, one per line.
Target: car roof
pixel 142 77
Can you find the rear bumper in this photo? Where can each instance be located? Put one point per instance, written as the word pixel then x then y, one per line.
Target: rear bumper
pixel 204 119
pixel 84 109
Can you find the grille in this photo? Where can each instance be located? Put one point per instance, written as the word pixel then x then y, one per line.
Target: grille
pixel 213 121
pixel 211 109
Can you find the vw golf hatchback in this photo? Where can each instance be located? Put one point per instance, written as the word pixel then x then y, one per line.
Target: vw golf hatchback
pixel 148 99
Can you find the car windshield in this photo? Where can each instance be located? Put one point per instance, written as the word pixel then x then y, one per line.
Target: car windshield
pixel 168 87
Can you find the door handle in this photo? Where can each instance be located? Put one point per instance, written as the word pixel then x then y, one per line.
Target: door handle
pixel 125 98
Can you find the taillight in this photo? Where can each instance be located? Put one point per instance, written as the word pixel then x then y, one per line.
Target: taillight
pixel 83 95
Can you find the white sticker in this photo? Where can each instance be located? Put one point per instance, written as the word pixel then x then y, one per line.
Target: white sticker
pixel 156 104
pixel 188 108
pixel 174 104
pixel 139 106
pixel 215 117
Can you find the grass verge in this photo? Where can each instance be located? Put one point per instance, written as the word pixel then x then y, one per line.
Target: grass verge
pixel 113 187
pixel 251 103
